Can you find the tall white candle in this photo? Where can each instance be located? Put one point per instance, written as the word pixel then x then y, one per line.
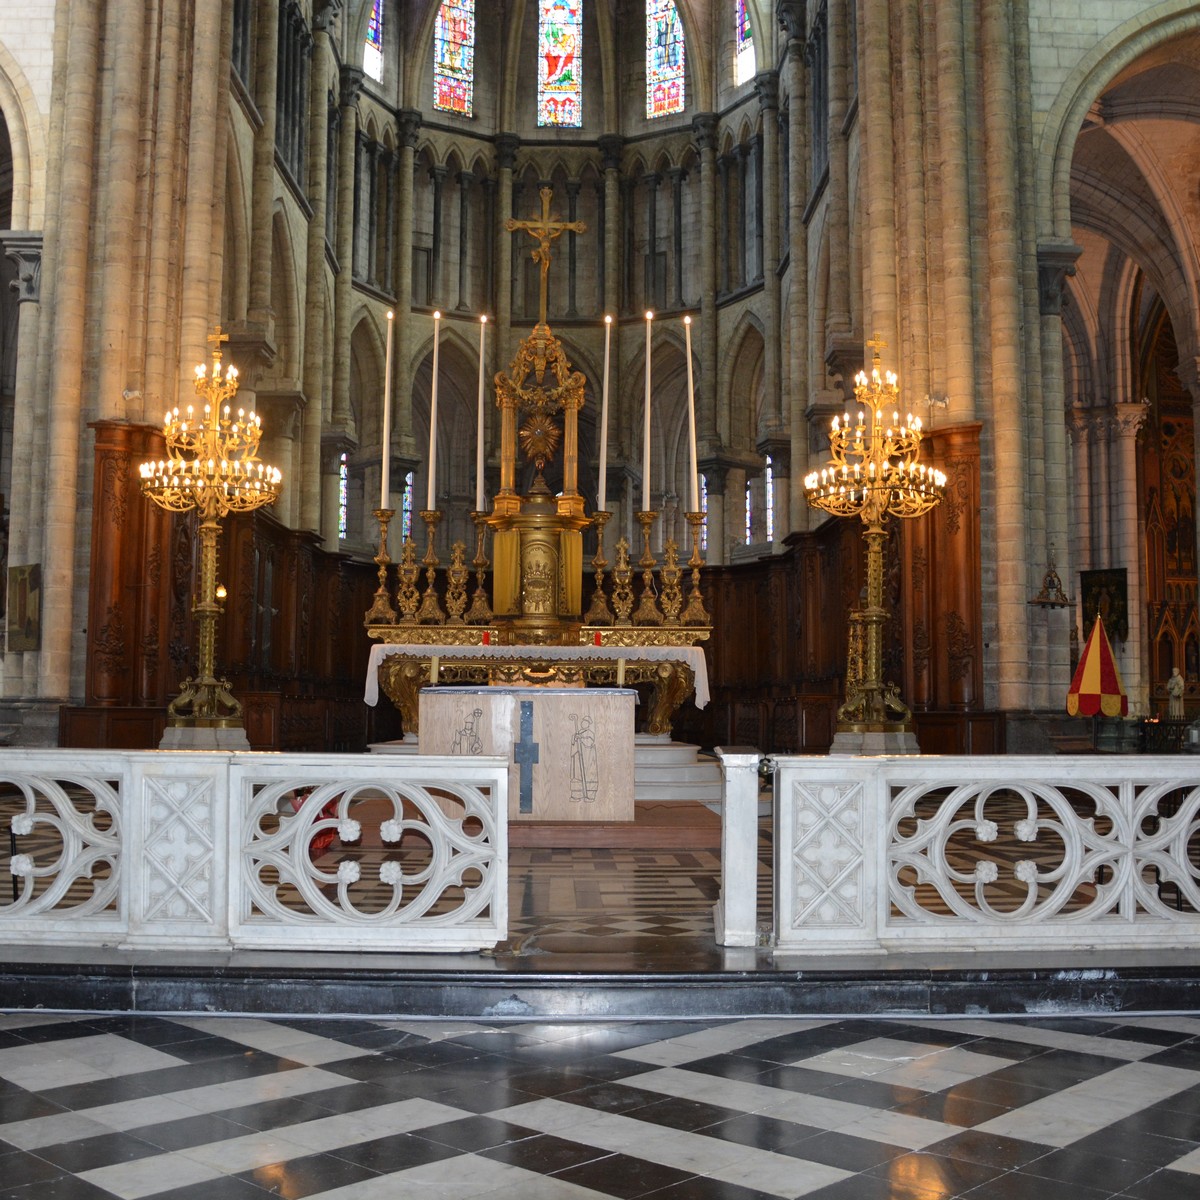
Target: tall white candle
pixel 603 486
pixel 431 492
pixel 694 479
pixel 385 468
pixel 479 429
pixel 646 425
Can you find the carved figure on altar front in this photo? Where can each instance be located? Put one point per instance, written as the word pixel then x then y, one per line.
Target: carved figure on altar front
pixel 584 778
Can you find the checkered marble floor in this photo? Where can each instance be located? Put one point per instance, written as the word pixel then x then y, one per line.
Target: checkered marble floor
pixel 239 1108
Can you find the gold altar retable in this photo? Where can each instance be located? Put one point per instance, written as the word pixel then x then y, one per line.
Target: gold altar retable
pixel 537 567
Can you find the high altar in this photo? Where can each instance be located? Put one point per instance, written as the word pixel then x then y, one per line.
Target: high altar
pixel 533 630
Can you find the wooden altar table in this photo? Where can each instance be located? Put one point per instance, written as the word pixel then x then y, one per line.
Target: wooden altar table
pixel 675 672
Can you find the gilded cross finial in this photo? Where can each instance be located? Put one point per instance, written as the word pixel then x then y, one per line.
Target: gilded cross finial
pixel 545 231
pixel 876 343
pixel 217 337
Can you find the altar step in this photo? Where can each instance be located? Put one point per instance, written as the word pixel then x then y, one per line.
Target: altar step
pixel 663 771
pixel 656 825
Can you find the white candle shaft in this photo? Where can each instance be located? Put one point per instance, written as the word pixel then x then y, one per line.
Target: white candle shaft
pixel 694 478
pixel 479 430
pixel 646 429
pixel 385 468
pixel 431 491
pixel 603 485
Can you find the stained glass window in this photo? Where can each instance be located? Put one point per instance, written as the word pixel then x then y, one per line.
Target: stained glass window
pixel 343 496
pixel 454 57
pixel 664 59
pixel 743 45
pixel 373 47
pixel 560 43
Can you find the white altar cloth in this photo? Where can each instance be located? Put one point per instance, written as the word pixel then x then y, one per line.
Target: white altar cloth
pixel 693 656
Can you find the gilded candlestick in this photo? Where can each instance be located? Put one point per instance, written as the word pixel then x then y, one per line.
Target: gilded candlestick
pixel 480 612
pixel 599 613
pixel 695 613
pixel 647 612
pixel 431 612
pixel 382 611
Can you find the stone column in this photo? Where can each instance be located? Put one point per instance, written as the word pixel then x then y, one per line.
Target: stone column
pixel 343 286
pixel 677 176
pixel 408 125
pixel 1055 262
pixel 465 179
pixel 650 272
pixel 120 189
pixel 25 250
pixel 791 14
pixel 507 145
pixel 573 186
pixel 958 267
pixel 1079 430
pixel 715 474
pixel 1128 418
pixel 838 319
pixel 912 349
pixel 767 87
pixel 878 141
pixel 313 514
pixel 705 130
pixel 62 463
pixel 611 146
pixel 1011 639
pixel 262 201
pixel 438 177
pixel 741 274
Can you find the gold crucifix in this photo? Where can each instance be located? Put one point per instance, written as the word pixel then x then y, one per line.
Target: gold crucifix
pixel 545 231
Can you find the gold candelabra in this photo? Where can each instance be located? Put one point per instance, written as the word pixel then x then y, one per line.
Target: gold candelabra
pixel 874 473
pixel 212 466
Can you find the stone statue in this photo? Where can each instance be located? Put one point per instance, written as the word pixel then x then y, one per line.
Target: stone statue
pixel 1175 686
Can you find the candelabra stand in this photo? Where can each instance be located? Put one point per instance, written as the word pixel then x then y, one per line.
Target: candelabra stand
pixel 670 575
pixel 695 613
pixel 884 480
pixel 212 466
pixel 622 574
pixel 599 613
pixel 481 611
pixel 382 611
pixel 648 612
pixel 431 611
pixel 456 584
pixel 408 570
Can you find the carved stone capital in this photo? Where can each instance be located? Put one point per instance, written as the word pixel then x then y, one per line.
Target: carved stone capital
pixel 351 82
pixel 1129 417
pixel 324 15
pixel 766 87
pixel 704 130
pixel 507 145
pixel 25 251
pixel 791 16
pixel 1056 261
pixel 612 145
pixel 408 126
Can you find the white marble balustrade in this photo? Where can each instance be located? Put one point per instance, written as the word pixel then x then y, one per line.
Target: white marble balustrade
pixel 1002 853
pixel 220 851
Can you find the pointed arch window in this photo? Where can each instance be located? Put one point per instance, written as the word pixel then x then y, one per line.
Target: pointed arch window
pixel 343 496
pixel 743 45
pixel 560 46
pixel 373 46
pixel 664 59
pixel 454 58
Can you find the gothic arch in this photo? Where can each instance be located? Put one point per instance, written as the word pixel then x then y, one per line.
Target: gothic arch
pixel 1094 72
pixel 27 141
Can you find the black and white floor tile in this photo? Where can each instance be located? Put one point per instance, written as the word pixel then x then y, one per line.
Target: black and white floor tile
pixel 239 1108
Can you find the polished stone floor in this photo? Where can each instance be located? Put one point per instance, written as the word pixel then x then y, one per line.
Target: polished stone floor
pixel 234 1108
